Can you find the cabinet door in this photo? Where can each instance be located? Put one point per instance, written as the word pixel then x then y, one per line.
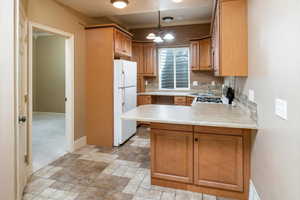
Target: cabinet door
pixel 216 43
pixel 138 57
pixel 195 55
pixel 140 84
pixel 172 155
pixel 218 161
pixel 149 60
pixel 118 42
pixel 205 54
pixel 144 99
pixel 127 46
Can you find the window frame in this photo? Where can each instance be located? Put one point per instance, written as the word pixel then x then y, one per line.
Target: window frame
pixel 159 69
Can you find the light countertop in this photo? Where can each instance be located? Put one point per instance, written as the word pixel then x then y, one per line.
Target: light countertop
pixel 216 115
pixel 172 93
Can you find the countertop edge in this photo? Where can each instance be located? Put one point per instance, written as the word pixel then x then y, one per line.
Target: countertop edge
pixel 192 123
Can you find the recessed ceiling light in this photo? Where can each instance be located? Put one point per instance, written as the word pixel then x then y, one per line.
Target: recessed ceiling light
pixel 120 3
pixel 177 1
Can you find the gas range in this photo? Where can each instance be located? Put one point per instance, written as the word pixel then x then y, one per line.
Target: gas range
pixel 209 100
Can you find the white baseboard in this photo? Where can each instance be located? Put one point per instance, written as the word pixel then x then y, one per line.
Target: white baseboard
pixel 253 195
pixel 81 142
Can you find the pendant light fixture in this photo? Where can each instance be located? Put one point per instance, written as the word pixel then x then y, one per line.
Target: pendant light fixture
pixel 158 38
pixel 151 36
pixel 120 3
pixel 169 37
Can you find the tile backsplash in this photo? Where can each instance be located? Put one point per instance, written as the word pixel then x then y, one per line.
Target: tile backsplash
pixel 204 80
pixel 240 97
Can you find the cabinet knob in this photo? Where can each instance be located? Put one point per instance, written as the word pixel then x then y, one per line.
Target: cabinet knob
pixel 196 139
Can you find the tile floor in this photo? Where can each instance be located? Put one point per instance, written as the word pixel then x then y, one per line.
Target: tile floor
pixel 49 141
pixel 94 173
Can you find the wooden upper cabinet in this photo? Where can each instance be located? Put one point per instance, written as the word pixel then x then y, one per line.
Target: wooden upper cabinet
pixel 138 57
pixel 195 55
pixel 201 55
pixel 145 56
pixel 172 155
pixel 122 43
pixel 230 37
pixel 218 161
pixel 150 60
pixel 205 54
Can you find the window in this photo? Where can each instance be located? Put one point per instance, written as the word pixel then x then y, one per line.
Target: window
pixel 174 68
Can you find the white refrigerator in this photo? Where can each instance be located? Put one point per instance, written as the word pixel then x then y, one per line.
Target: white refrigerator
pixel 125 95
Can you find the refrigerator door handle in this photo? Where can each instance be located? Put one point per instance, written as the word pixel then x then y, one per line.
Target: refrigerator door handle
pixel 123 78
pixel 123 100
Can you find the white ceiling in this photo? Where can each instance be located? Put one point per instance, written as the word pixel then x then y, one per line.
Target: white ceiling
pixel 143 13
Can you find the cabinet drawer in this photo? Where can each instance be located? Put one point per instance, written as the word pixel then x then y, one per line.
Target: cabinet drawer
pixel 180 101
pixel 189 101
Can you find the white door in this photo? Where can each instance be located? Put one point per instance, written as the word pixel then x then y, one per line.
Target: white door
pixel 129 73
pixel 22 100
pixel 128 126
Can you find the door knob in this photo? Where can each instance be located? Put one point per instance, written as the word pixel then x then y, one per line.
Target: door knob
pixel 22 119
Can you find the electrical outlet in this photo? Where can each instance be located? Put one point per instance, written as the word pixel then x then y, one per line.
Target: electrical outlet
pixel 251 96
pixel 146 83
pixel 213 83
pixel 281 108
pixel 195 83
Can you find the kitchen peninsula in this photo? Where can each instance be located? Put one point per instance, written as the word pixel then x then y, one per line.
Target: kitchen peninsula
pixel 201 148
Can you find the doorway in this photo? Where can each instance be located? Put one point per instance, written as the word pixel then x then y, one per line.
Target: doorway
pixel 51 95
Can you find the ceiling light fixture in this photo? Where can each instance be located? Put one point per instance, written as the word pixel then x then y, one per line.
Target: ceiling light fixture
pixel 177 1
pixel 151 36
pixel 158 38
pixel 120 3
pixel 169 36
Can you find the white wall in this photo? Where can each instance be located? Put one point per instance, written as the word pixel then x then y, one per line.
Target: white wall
pixel 274 72
pixel 7 117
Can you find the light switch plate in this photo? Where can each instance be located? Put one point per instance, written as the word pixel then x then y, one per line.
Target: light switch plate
pixel 251 95
pixel 195 83
pixel 281 108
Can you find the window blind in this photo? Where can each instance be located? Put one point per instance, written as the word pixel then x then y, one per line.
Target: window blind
pixel 174 68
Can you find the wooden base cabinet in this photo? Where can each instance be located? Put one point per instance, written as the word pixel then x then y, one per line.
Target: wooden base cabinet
pixel 218 161
pixel 144 53
pixel 210 160
pixel 172 155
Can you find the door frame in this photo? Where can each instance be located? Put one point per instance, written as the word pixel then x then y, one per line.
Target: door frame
pixel 69 79
pixel 8 92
